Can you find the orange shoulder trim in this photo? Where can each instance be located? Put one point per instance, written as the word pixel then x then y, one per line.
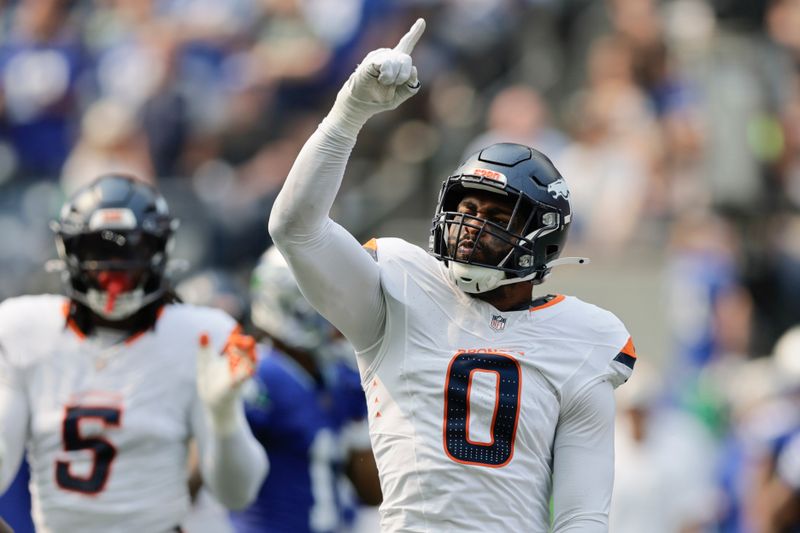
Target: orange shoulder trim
pixel 65 309
pixel 629 349
pixel 558 299
pixel 371 246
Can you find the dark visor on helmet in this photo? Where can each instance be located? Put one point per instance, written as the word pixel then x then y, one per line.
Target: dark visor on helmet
pixel 113 250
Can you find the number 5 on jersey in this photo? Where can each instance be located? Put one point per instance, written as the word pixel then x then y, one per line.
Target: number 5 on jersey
pixel 102 450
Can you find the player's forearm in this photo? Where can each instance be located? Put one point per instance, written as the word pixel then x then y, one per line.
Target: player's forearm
pixel 337 277
pixel 383 80
pixel 234 466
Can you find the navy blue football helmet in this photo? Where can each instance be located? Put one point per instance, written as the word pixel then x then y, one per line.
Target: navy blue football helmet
pixel 113 237
pixel 534 236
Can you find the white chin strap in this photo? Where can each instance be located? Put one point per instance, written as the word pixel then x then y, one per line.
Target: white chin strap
pixel 474 279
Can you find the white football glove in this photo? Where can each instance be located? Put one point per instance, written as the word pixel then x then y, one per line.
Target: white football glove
pixel 220 378
pixel 384 79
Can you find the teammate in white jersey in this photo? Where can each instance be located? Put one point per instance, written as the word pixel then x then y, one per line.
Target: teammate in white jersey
pixel 485 401
pixel 104 388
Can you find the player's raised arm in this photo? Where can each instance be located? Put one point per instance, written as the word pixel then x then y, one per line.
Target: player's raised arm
pixel 335 274
pixel 232 463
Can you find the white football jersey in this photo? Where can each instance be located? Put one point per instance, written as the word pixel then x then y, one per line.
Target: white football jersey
pixel 464 400
pixel 108 425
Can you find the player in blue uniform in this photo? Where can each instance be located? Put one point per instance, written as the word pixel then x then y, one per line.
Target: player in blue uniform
pixel 15 504
pixel 305 405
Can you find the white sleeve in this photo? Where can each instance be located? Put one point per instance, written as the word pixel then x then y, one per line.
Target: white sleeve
pixel 233 466
pixel 14 415
pixel 583 466
pixel 338 277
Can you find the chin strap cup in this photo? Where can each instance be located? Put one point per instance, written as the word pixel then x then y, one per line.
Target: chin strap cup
pixel 568 261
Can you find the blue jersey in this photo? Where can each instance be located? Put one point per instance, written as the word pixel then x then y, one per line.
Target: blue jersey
pixel 300 422
pixel 15 504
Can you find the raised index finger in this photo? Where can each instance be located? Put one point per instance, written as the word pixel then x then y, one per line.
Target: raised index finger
pixel 409 40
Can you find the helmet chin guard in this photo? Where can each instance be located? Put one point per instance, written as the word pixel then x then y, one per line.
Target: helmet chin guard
pixel 475 279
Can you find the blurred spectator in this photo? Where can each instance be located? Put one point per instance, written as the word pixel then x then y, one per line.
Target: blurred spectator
pixel 664 475
pixel 774 277
pixel 704 289
pixel 216 288
pixel 639 25
pixel 111 141
pixel 779 502
pixel 789 165
pixel 138 69
pixel 518 114
pixel 784 490
pixel 763 396
pixel 42 63
pixel 612 162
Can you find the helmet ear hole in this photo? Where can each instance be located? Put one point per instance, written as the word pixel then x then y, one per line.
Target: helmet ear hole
pixel 551 249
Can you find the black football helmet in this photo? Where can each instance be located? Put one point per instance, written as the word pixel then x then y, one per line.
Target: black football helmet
pixel 113 237
pixel 536 232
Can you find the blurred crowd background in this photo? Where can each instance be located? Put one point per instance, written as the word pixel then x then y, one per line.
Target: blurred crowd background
pixel 675 122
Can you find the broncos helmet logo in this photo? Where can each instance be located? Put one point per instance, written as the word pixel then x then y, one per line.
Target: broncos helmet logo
pixel 558 188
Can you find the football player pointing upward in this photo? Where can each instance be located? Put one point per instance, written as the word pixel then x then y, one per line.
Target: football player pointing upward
pixel 484 400
pixel 105 388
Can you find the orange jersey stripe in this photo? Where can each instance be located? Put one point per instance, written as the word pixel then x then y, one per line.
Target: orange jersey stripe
pixel 371 246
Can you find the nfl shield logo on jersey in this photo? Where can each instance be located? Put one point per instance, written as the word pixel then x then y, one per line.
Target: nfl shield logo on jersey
pixel 498 323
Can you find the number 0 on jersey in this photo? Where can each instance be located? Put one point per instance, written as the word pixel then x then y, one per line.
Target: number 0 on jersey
pixel 471 378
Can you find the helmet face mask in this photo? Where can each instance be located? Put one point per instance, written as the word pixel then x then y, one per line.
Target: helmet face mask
pixel 518 245
pixel 113 237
